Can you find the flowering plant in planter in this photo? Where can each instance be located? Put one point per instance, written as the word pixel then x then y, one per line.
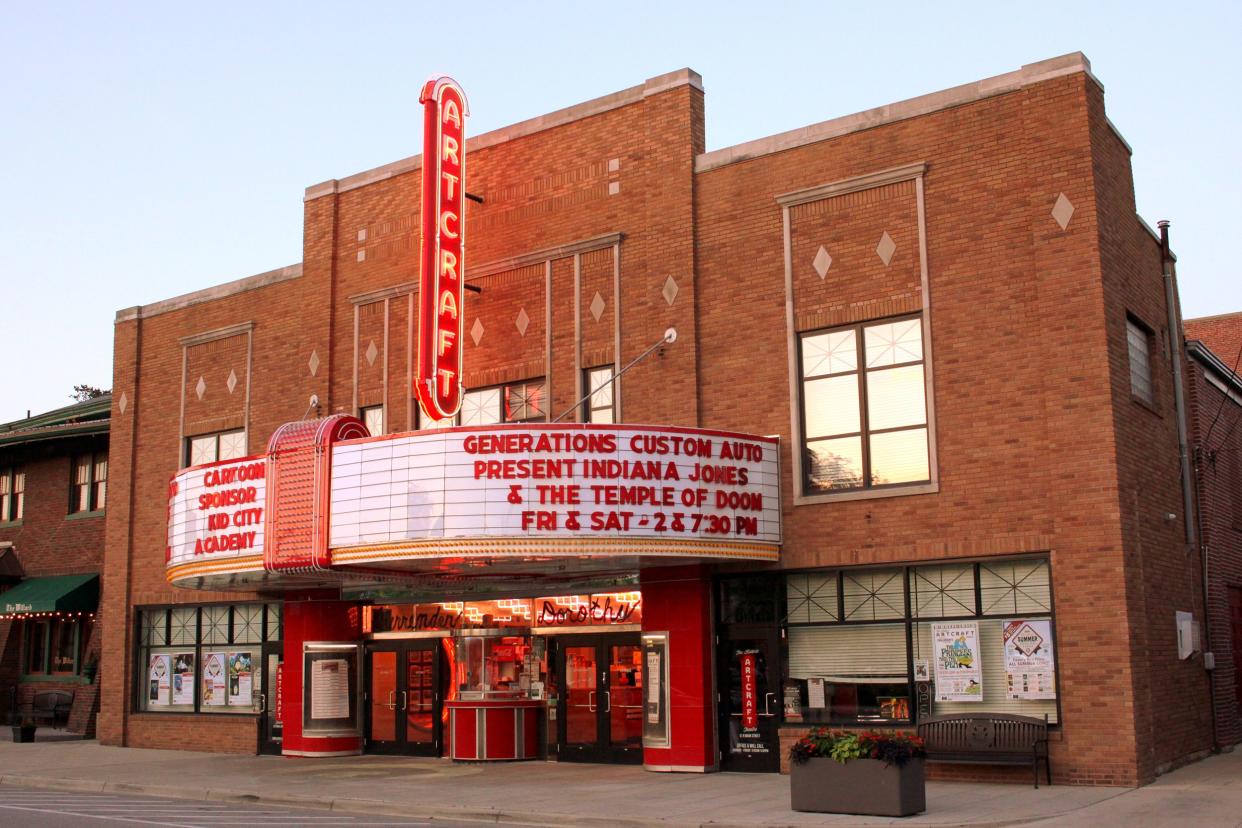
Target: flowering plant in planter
pixel 891 747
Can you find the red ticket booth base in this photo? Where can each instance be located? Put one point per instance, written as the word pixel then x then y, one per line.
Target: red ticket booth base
pixel 493 731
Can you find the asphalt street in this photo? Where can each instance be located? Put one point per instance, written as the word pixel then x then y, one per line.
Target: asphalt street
pixel 25 808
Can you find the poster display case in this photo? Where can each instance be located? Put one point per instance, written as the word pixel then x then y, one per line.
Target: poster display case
pixel 656 689
pixel 331 688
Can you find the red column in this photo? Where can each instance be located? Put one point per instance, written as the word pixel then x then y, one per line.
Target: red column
pixel 313 620
pixel 678 600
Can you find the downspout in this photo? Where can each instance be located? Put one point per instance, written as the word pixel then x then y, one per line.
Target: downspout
pixel 1190 513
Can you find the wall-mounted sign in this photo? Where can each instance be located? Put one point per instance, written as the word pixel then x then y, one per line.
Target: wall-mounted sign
pixel 442 264
pixel 1029 666
pixel 217 511
pixel 959 671
pixel 605 483
pixel 553 611
pixel 750 693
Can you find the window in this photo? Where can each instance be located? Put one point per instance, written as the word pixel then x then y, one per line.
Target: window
pixel 90 483
pixel 209 448
pixel 204 659
pixel 599 407
pixel 864 408
pixel 1138 341
pixel 54 646
pixel 517 402
pixel 373 418
pixel 854 636
pixel 12 494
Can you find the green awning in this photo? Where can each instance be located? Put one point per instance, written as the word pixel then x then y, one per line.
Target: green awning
pixel 53 593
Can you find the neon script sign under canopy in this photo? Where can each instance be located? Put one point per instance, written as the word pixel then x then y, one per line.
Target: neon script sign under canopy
pixel 438 381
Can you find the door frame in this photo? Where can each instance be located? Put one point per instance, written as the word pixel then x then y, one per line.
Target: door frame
pixel 770 706
pixel 270 743
pixel 602 751
pixel 401 745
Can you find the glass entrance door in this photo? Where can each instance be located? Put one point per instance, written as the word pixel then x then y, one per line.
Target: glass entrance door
pixel 601 708
pixel 750 705
pixel 403 697
pixel 271 707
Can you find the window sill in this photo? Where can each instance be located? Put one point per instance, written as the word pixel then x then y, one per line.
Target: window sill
pixel 10 524
pixel 84 515
pixel 868 494
pixel 1142 403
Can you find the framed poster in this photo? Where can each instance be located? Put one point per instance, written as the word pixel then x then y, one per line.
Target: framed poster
pixel 331 685
pixel 215 679
pixel 1029 664
pixel 241 679
pixel 183 679
pixel 159 681
pixel 958 667
pixel 655 689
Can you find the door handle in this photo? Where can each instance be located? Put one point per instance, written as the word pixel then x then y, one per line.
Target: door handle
pixel 608 700
pixel 405 699
pixel 591 701
pixel 262 703
pixel 767 708
pixel 392 696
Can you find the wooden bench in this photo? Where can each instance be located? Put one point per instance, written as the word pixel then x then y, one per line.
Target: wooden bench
pixel 988 739
pixel 49 708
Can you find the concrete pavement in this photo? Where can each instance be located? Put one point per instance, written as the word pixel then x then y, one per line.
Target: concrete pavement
pixel 549 793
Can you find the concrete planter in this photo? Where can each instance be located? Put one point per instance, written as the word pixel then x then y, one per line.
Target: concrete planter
pixel 860 786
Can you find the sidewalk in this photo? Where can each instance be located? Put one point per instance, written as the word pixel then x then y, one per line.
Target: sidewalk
pixel 563 794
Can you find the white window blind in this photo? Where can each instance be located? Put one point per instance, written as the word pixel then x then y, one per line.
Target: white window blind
pixel 870 654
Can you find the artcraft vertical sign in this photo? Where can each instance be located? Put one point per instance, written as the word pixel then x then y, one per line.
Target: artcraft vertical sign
pixel 750 692
pixel 438 381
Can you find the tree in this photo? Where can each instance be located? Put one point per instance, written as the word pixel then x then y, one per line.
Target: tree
pixel 82 393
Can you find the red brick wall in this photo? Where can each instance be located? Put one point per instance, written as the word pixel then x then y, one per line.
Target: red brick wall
pixel 1223 334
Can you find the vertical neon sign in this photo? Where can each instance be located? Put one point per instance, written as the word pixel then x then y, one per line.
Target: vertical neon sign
pixel 437 383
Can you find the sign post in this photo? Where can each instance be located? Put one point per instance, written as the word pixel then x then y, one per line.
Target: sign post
pixel 438 381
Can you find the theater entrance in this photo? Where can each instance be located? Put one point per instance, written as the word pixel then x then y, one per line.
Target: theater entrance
pixel 601 706
pixel 404 694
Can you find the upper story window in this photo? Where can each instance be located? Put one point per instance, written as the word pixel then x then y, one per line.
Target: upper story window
pixel 219 445
pixel 373 418
pixel 1138 342
pixel 864 406
pixel 89 492
pixel 599 408
pixel 12 494
pixel 517 402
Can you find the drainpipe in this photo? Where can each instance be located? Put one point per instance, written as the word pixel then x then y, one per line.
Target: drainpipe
pixel 1190 513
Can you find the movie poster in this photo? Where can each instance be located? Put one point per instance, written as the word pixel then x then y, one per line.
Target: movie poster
pixel 183 679
pixel 159 680
pixel 1028 659
pixel 959 672
pixel 241 679
pixel 215 679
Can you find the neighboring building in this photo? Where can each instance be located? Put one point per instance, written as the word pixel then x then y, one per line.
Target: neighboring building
pixel 946 309
pixel 53 492
pixel 1214 346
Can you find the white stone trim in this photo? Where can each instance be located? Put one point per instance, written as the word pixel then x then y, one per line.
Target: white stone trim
pixel 563 251
pixel 852 185
pixel 1028 75
pixel 210 294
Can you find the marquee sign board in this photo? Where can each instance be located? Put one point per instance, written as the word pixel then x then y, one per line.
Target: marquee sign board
pixel 442 264
pixel 543 483
pixel 217 511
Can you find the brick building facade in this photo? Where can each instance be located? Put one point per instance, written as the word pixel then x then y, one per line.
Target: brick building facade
pixel 1213 346
pixel 53 490
pixel 979 244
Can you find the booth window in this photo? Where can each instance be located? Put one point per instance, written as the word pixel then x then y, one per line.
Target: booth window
pixel 855 638
pixel 517 402
pixel 1138 344
pixel 219 445
pixel 203 659
pixel 599 407
pixel 373 418
pixel 12 494
pixel 89 492
pixel 53 646
pixel 864 407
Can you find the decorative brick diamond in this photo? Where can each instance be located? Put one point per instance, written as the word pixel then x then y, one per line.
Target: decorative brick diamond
pixel 822 262
pixel 522 322
pixel 200 388
pixel 313 365
pixel 670 290
pixel 1063 211
pixel 372 353
pixel 476 331
pixel 886 248
pixel 597 306
pixel 362 255
pixel 231 382
pixel 123 402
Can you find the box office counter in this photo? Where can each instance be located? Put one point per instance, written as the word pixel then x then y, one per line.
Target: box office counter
pixel 497 713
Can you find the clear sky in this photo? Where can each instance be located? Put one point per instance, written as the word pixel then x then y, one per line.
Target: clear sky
pixel 155 149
